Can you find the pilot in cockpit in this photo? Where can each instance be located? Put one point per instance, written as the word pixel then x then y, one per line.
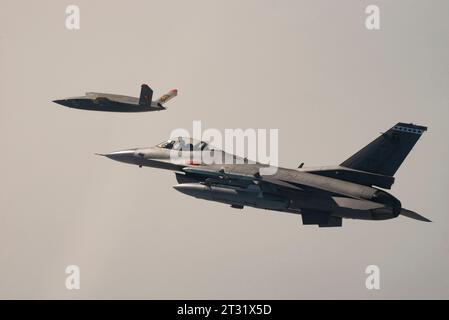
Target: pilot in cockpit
pixel 184 144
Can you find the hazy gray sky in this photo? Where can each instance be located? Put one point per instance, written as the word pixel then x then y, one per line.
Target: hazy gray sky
pixel 309 68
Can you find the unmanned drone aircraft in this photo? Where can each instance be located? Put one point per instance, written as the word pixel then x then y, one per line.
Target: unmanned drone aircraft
pixel 118 103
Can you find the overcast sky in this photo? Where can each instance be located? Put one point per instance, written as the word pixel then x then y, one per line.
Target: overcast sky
pixel 308 68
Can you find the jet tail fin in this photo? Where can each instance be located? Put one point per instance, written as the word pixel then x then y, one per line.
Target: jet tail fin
pixel 146 95
pixel 385 154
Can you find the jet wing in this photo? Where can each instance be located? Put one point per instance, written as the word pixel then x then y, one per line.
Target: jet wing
pixel 279 183
pixel 292 184
pixel 265 182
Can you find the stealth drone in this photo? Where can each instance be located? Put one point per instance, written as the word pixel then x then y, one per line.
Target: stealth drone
pixel 119 103
pixel 322 196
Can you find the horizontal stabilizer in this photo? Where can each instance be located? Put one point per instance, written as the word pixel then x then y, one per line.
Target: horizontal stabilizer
pixel 413 215
pixel 168 96
pixel 322 219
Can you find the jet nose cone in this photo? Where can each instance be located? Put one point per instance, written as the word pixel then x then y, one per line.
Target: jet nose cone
pixel 126 156
pixel 62 102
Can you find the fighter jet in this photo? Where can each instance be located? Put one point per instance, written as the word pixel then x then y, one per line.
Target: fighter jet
pixel 119 103
pixel 323 196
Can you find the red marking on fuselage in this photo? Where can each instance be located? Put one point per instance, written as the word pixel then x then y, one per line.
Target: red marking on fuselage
pixel 192 163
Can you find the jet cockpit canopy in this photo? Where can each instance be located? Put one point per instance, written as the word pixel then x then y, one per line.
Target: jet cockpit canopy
pixel 184 144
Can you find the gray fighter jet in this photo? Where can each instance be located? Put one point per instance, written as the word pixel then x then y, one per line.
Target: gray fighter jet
pixel 118 103
pixel 322 196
